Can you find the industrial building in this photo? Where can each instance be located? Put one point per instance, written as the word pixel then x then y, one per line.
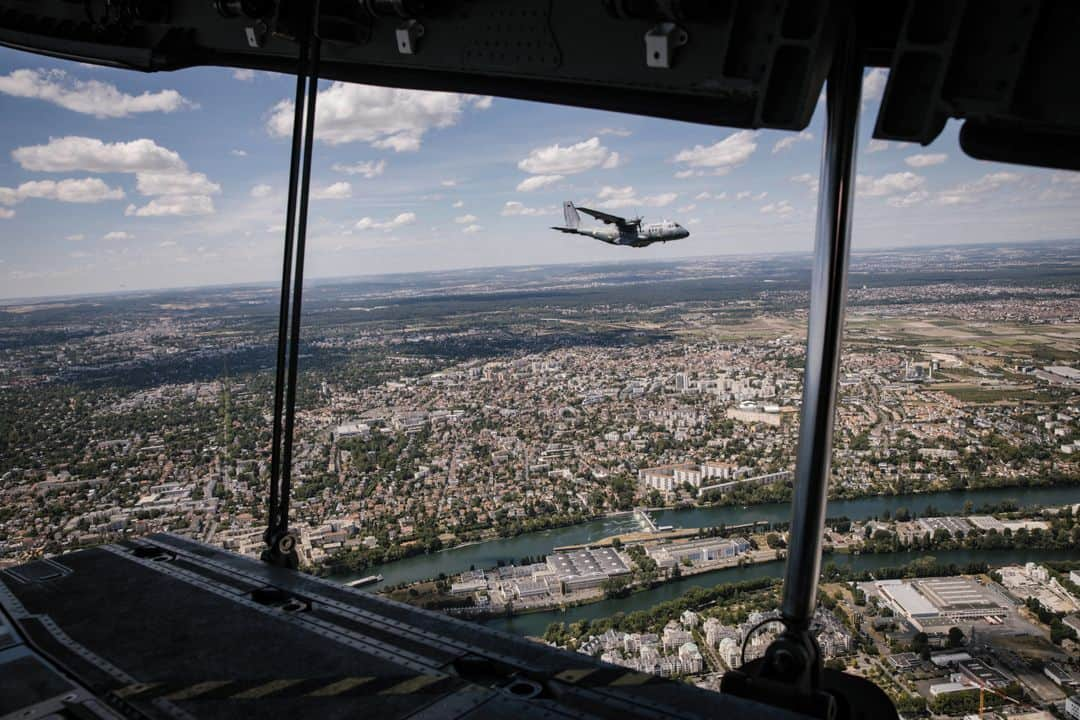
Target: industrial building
pixel 709 550
pixel 936 603
pixel 587 568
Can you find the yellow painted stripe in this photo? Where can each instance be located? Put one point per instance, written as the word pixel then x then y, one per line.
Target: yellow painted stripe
pixel 194 691
pixel 264 690
pixel 575 676
pixel 136 689
pixel 339 687
pixel 631 679
pixel 412 685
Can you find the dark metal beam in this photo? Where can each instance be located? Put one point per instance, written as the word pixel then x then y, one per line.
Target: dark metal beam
pixel 828 290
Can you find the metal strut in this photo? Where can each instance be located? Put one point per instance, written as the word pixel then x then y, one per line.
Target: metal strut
pixel 281 544
pixel 791 674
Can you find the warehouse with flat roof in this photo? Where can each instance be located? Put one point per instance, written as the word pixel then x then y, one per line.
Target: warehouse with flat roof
pixel 934 603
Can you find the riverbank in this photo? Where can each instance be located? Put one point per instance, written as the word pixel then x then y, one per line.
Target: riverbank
pixel 535 624
pixel 490 553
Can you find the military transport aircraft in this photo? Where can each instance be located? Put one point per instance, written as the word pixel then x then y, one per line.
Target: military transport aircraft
pixel 633 232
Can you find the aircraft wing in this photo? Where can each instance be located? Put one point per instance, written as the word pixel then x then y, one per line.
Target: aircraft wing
pixel 608 218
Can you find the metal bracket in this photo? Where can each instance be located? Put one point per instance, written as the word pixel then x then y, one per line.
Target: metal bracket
pixel 408 36
pixel 661 42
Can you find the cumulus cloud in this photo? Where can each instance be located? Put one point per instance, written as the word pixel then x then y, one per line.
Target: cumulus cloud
pixel 369 169
pixel 173 205
pixel 719 158
pixel 706 195
pixel 873 86
pixel 465 219
pixel 972 192
pixel 891 184
pixel 337 191
pixel 554 160
pixel 244 74
pixel 458 204
pixel 470 229
pixel 118 235
pixel 788 141
pixel 92 155
pixel 261 190
pixel 617 132
pixel 386 118
pixel 513 207
pixel 238 153
pixel 537 181
pixel 782 207
pixel 158 171
pixel 6 214
pixel 875 146
pixel 75 238
pixel 482 102
pixel 179 183
pixel 621 197
pixel 367 223
pixel 810 181
pixel 84 190
pixel 89 97
pixel 925 159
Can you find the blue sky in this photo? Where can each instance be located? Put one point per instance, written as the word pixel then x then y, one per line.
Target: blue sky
pixel 115 180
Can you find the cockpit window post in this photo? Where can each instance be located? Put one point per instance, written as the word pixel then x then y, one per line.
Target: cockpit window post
pixel 791 674
pixel 281 544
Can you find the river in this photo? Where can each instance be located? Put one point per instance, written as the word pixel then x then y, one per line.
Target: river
pixel 490 553
pixel 535 623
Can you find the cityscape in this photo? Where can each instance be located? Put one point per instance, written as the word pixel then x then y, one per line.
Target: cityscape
pixel 600 457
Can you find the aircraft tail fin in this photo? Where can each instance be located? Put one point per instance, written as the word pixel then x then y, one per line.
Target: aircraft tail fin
pixel 570 213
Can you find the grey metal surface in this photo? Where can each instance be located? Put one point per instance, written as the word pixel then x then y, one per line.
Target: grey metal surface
pixel 169 627
pixel 828 288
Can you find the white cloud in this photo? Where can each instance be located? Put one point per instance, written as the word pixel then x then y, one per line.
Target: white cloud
pixel 972 192
pixel 617 132
pixel 458 204
pixel 6 214
pixel 367 223
pixel 558 160
pixel 84 190
pixel 482 102
pixel 912 198
pixel 688 208
pixel 875 146
pixel 167 243
pixel 465 219
pixel 179 205
pixel 244 74
pixel 788 141
pixel 513 207
pixel 118 235
pixel 537 181
pixel 369 169
pixel 891 184
pixel 621 197
pixel 469 230
pixel 782 207
pixel 810 181
pixel 387 118
pixel 873 86
pixel 238 153
pixel 722 157
pixel 70 153
pixel 449 183
pixel 175 183
pixel 706 195
pixel 337 191
pixel 75 238
pixel 261 190
pixel 742 194
pixel 89 97
pixel 925 159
